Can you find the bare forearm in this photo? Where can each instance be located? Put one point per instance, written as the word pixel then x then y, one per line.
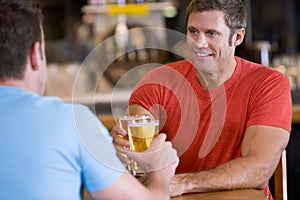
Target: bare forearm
pixel 158 185
pixel 127 187
pixel 237 174
pixel 261 152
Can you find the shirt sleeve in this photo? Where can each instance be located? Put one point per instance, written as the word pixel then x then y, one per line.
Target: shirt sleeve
pixel 100 165
pixel 271 102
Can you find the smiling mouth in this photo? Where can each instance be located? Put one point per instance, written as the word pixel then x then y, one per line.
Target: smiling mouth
pixel 203 54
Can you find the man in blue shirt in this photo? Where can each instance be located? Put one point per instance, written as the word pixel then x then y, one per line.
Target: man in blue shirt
pixel 50 149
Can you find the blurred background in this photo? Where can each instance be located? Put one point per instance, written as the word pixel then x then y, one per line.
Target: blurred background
pixel 73 28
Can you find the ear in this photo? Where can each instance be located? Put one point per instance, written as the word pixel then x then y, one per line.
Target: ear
pixel 239 36
pixel 36 56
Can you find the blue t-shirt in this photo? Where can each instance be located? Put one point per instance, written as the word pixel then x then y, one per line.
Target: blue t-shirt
pixel 49 149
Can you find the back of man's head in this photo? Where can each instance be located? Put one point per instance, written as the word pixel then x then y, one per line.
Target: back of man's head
pixel 20 27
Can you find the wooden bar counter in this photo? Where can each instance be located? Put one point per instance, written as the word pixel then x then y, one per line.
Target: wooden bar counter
pixel 225 195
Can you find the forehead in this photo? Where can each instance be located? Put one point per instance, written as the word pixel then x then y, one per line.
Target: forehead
pixel 213 19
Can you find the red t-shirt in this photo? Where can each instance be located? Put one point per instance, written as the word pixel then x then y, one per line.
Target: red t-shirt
pixel 207 127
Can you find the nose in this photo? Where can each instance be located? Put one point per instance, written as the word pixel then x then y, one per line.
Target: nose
pixel 201 41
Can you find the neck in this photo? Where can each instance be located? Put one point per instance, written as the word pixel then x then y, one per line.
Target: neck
pixel 211 80
pixel 17 83
pixel 12 82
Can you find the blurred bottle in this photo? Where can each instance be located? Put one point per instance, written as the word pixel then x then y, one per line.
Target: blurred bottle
pixel 263 49
pixel 121 2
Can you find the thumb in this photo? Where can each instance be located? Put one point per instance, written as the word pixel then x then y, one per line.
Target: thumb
pixel 157 142
pixel 158 156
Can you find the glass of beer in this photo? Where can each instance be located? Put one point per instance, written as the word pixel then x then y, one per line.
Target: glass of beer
pixel 141 135
pixel 123 123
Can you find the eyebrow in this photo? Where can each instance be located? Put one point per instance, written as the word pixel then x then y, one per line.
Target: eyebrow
pixel 207 30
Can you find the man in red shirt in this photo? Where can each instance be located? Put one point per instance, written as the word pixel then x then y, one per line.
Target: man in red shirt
pixel 229 119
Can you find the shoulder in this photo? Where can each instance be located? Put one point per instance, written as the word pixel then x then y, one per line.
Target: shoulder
pixel 258 72
pixel 66 116
pixel 54 104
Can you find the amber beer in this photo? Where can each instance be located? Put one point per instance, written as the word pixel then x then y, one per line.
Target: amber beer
pixel 123 121
pixel 141 135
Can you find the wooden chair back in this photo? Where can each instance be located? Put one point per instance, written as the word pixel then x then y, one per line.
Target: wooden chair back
pixel 280 179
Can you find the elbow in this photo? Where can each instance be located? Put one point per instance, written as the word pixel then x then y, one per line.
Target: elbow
pixel 260 182
pixel 260 175
pixel 258 179
pixel 262 185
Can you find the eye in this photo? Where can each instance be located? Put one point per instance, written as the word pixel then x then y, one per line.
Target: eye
pixel 192 31
pixel 212 33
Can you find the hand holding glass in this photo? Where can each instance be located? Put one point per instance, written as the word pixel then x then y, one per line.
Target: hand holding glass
pixel 141 134
pixel 123 123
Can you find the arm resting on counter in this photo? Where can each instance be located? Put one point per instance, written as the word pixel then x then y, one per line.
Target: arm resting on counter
pixel 261 150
